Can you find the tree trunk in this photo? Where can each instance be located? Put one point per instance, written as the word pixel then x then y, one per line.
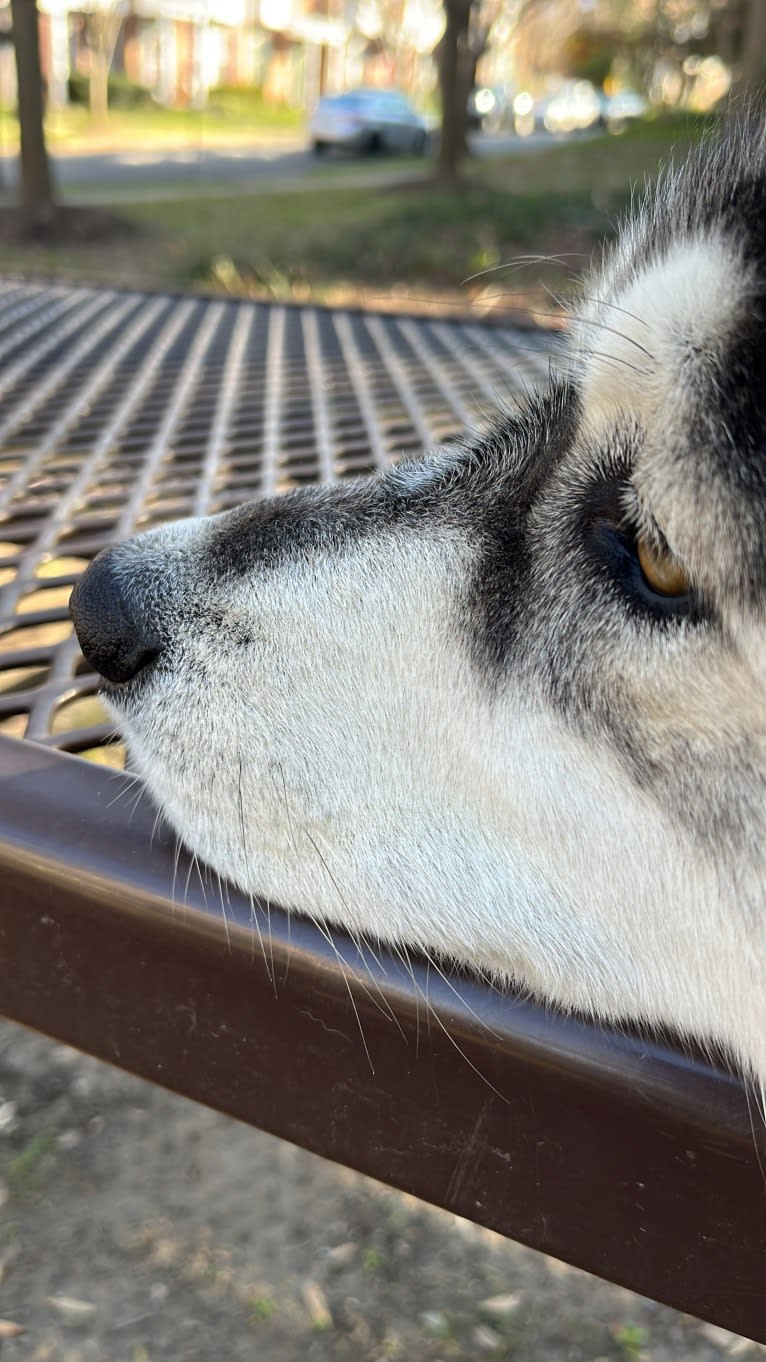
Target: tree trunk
pixel 99 87
pixel 37 204
pixel 103 30
pixel 752 63
pixel 454 95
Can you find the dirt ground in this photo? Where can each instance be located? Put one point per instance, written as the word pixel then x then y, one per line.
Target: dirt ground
pixel 138 1227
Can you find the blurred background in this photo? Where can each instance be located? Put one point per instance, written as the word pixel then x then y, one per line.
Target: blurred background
pixel 348 150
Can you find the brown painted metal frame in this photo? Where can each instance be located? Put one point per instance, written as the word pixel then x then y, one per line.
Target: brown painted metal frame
pixel 622 1156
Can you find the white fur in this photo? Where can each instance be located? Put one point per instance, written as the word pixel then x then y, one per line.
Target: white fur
pixel 635 343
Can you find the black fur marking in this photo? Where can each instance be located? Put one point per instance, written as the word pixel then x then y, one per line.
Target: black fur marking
pixel 731 428
pixel 264 535
pixel 517 461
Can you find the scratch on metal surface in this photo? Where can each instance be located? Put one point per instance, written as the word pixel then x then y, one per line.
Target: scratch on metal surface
pixel 469 1156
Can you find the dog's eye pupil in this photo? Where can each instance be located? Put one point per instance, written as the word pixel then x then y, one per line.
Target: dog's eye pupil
pixel 661 569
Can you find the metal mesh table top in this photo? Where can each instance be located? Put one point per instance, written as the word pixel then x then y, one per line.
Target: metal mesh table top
pixel 121 410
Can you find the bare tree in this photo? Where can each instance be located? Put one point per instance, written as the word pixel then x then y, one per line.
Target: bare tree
pixel 466 37
pixel 37 202
pixel 752 64
pixel 104 25
pixel 451 60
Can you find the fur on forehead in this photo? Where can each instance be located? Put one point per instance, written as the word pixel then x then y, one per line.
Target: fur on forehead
pixel 671 341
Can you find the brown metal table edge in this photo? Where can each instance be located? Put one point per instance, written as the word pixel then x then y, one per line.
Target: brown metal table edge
pixel 620 1155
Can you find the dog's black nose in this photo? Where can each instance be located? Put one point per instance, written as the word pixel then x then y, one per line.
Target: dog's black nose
pixel 114 634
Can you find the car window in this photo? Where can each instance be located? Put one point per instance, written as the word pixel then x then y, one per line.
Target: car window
pixel 373 103
pixel 394 105
pixel 347 101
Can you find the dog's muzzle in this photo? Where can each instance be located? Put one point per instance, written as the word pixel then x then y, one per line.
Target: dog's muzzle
pixel 115 636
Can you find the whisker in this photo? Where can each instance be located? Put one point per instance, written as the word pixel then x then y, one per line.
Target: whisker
pixel 287 808
pixel 522 262
pixel 612 330
pixel 327 869
pixel 270 936
pixel 323 930
pixel 462 1053
pixel 758 1158
pixel 385 1010
pixel 404 956
pixel 562 358
pixel 363 944
pixel 617 361
pixel 445 978
pixel 253 913
pixel 175 873
pixel 204 884
pixel 126 790
pixel 136 801
pixel 602 302
pixel 155 825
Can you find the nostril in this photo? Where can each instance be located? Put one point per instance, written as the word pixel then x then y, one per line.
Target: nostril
pixel 113 632
pixel 128 664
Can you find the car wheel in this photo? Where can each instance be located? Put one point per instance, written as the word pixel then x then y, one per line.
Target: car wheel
pixel 318 148
pixel 420 144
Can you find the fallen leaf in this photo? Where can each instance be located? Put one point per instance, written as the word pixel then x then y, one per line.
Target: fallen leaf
pixel 486 1339
pixel 70 1305
pixel 10 1330
pixel 342 1254
pixel 499 1306
pixel 315 1301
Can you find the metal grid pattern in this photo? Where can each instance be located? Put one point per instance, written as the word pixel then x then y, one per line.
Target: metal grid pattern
pixel 121 410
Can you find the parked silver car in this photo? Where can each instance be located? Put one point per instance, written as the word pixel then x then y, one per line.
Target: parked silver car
pixel 367 121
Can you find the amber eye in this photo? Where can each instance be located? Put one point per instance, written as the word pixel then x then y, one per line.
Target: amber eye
pixel 662 571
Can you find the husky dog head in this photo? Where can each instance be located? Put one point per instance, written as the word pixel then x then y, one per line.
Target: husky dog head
pixel 505 703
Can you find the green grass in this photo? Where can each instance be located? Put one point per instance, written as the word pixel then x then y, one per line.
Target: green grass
pixel 226 118
pixel 262 1307
pixel 417 236
pixel 434 237
pixel 631 1339
pixel 373 1261
pixel 25 1172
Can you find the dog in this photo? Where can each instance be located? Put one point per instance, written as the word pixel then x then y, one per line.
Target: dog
pixel 506 702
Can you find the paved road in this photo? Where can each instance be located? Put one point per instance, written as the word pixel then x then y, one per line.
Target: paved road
pixel 282 162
